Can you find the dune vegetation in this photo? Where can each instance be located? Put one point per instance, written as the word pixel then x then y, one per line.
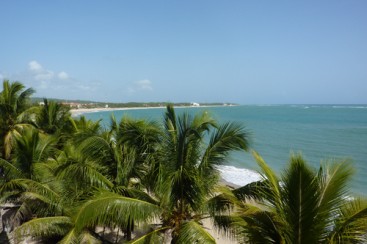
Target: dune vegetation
pixel 70 180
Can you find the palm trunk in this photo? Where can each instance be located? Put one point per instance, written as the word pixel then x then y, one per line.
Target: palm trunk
pixel 129 229
pixel 117 234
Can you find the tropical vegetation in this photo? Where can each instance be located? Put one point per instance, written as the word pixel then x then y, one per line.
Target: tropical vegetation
pixel 71 180
pixel 302 205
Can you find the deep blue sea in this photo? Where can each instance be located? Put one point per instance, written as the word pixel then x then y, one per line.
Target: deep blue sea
pixel 319 132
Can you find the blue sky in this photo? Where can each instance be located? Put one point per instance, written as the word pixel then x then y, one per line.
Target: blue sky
pixel 247 52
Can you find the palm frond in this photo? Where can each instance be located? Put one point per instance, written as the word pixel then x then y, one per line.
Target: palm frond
pixel 83 173
pixel 44 227
pixel 333 181
pixel 253 190
pixel 95 147
pixel 351 223
pixel 9 171
pixel 193 232
pixel 300 201
pixel 114 209
pixel 260 227
pixel 72 237
pixel 151 237
pixel 170 119
pixel 227 138
pixel 13 186
pixel 271 179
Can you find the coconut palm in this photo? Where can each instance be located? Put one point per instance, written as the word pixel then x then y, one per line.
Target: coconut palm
pixel 188 165
pixel 88 185
pixel 115 160
pixel 52 117
pixel 27 180
pixel 301 206
pixel 186 177
pixel 139 141
pixel 78 223
pixel 82 128
pixel 14 101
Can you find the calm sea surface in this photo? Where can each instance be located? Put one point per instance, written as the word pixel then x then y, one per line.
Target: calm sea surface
pixel 319 132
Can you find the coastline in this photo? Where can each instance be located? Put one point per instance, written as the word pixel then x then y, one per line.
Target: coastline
pixel 230 176
pixel 80 111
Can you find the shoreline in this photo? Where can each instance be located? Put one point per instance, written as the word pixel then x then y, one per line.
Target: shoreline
pixel 230 176
pixel 80 111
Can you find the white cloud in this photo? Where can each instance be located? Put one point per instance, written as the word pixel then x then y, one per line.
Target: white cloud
pixel 140 85
pixel 63 75
pixel 53 83
pixel 35 66
pixel 40 73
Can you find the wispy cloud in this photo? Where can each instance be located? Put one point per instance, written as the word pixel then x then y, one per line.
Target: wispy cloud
pixel 53 83
pixel 140 85
pixel 39 73
pixel 35 66
pixel 46 75
pixel 63 75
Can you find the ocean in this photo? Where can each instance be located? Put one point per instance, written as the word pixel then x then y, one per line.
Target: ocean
pixel 319 132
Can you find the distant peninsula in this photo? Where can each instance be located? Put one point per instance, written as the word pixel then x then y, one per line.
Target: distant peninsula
pixel 86 104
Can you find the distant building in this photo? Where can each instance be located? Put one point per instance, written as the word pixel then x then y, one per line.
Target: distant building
pixel 106 106
pixel 195 104
pixel 41 103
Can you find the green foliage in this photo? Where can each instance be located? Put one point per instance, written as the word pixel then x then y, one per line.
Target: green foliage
pixel 64 177
pixel 113 209
pixel 44 227
pixel 14 102
pixel 52 117
pixel 301 206
pixel 193 232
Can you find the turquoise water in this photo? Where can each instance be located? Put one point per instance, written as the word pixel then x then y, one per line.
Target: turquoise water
pixel 319 132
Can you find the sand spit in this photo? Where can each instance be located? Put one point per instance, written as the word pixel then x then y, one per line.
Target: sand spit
pixel 80 111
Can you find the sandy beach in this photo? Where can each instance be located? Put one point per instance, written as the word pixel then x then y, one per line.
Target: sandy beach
pixel 80 111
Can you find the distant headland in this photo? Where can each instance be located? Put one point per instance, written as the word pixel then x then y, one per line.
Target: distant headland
pixel 86 104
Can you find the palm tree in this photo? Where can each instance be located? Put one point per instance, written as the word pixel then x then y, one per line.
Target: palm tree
pixel 301 206
pixel 14 101
pixel 115 160
pixel 78 222
pixel 52 117
pixel 28 181
pixel 188 165
pixel 185 177
pixel 87 183
pixel 82 128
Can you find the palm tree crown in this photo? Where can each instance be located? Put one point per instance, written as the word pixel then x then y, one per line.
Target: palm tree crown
pixel 14 101
pixel 301 206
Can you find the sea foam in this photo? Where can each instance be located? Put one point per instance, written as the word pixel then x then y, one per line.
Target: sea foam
pixel 238 176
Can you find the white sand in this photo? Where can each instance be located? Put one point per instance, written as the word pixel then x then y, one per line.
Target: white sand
pixel 76 112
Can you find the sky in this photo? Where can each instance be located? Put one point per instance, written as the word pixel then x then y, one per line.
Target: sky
pixel 246 52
